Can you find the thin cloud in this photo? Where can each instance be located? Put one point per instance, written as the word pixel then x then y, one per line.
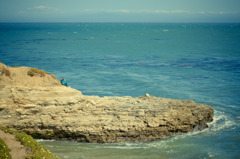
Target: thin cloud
pixel 42 7
pixel 184 12
pixel 219 13
pixel 163 11
pixel 46 8
pixel 120 11
pixel 107 11
pixel 126 11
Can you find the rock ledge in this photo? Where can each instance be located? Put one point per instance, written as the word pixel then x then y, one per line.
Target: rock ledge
pixel 44 108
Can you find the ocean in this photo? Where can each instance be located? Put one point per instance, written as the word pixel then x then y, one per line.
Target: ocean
pixel 192 61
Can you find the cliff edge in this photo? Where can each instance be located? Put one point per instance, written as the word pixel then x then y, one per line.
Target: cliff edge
pixel 34 101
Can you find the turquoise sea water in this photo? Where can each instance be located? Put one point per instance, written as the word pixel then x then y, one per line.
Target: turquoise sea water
pixel 199 62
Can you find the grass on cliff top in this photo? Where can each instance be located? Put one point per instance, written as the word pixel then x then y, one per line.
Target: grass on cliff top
pixel 36 72
pixel 38 151
pixel 4 150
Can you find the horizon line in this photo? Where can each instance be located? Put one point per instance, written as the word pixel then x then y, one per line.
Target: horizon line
pixel 113 22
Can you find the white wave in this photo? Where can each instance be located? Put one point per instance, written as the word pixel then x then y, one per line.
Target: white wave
pixel 210 154
pixel 44 140
pixel 220 122
pixel 233 106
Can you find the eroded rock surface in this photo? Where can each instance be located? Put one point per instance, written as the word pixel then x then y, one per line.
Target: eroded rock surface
pixel 44 108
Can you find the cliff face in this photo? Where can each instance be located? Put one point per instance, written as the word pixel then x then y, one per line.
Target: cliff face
pixel 41 106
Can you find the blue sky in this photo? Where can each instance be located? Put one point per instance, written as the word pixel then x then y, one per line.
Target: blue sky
pixel 119 10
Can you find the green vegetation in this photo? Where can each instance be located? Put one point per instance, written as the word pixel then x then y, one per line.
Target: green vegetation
pixel 36 72
pixel 38 151
pixel 4 150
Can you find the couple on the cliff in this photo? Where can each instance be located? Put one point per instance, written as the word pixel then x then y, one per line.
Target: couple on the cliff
pixel 63 82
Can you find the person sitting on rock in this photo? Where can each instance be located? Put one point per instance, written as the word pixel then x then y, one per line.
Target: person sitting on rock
pixel 63 82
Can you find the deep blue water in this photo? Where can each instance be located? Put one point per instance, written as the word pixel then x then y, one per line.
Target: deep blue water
pixel 199 62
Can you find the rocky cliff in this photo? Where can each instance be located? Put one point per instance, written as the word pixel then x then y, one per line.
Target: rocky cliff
pixel 34 101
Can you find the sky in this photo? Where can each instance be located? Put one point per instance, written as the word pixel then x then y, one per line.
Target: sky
pixel 119 10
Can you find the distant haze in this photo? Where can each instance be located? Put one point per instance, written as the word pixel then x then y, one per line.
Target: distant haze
pixel 120 11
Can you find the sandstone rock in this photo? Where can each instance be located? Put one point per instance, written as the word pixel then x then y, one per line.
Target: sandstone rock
pixel 44 108
pixel 2 107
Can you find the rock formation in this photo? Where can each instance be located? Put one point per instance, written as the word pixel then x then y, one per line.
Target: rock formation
pixel 38 104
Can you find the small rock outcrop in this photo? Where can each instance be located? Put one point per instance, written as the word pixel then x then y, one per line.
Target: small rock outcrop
pixel 38 104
